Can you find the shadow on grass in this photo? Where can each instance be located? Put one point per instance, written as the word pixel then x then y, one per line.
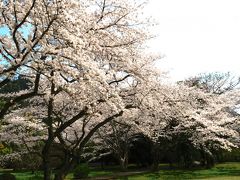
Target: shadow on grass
pixel 221 171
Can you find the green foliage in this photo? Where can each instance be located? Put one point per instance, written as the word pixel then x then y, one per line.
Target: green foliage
pixel 81 171
pixel 226 156
pixel 4 149
pixel 2 103
pixel 16 85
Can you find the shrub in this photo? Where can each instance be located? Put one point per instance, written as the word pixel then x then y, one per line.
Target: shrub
pixel 18 161
pixel 81 171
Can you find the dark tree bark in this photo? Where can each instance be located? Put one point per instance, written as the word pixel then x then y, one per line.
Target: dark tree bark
pixel 72 158
pixel 156 155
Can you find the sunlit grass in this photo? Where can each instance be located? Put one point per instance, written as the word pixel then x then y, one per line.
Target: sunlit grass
pixel 220 171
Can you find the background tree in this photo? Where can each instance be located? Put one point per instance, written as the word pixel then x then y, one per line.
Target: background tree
pixel 215 82
pixel 195 119
pixel 140 150
pixel 117 137
pixel 220 83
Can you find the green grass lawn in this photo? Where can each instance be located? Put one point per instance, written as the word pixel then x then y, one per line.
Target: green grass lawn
pixel 224 171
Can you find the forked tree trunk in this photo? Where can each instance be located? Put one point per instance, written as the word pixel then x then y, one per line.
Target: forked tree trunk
pixel 70 162
pixel 63 172
pixel 61 175
pixel 124 162
pixel 68 165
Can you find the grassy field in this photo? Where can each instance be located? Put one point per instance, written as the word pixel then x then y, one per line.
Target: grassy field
pixel 224 171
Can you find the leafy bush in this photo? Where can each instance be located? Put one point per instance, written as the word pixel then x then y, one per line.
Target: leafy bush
pixel 4 149
pixel 18 161
pixel 81 171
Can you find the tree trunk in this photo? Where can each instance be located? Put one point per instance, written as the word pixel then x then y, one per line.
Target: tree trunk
pixel 46 167
pixel 60 175
pixel 207 159
pixel 46 160
pixel 68 165
pixel 155 166
pixel 203 157
pixel 156 155
pixel 124 162
pixel 210 161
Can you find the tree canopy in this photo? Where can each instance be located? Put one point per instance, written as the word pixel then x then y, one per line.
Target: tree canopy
pixel 80 65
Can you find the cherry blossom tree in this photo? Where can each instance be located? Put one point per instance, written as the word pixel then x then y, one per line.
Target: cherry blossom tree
pixel 215 82
pixel 116 136
pixel 78 56
pixel 174 111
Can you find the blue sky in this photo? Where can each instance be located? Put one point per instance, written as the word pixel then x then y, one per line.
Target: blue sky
pixel 196 36
pixel 4 30
pixel 25 29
